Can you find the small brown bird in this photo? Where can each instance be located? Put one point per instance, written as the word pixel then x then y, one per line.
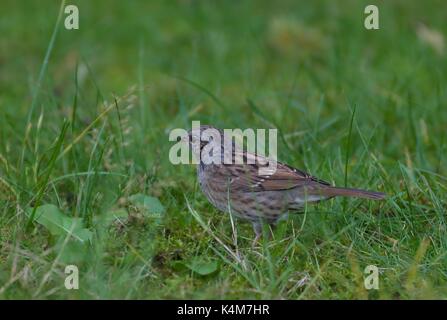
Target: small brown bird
pixel 241 190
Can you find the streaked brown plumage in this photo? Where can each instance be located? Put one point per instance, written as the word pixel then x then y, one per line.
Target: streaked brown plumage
pixel 243 191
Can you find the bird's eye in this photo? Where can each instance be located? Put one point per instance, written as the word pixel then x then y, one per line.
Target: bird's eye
pixel 178 139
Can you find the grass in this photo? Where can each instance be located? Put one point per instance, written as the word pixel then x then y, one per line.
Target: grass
pixel 84 123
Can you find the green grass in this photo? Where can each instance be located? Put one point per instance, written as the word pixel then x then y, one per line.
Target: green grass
pixel 84 123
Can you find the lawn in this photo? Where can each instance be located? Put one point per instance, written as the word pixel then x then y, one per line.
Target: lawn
pixel 85 177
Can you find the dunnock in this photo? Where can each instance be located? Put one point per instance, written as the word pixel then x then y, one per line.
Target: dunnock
pixel 241 190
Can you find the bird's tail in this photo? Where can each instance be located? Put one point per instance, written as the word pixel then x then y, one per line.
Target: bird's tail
pixel 350 192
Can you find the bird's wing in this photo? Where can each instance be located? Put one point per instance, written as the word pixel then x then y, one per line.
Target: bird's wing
pixel 248 177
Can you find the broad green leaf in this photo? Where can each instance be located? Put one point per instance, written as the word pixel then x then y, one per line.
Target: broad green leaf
pixel 57 223
pixel 112 215
pixel 72 251
pixel 202 266
pixel 148 203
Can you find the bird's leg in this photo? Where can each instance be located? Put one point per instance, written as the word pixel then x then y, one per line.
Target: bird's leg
pixel 257 228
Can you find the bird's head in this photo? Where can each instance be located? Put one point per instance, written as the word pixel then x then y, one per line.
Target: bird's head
pixel 201 136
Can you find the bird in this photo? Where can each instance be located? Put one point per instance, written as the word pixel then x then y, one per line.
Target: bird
pixel 249 194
